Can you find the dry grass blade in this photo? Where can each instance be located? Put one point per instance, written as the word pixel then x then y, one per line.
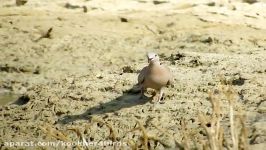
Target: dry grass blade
pixel 209 131
pixel 243 143
pixel 233 135
pixel 144 135
pixel 77 131
pixel 132 144
pixel 230 93
pixel 87 128
pixel 156 139
pixel 57 134
pixel 214 131
pixel 185 134
pixel 79 134
pixel 216 114
pixel 54 133
pixel 221 138
pixel 134 129
pixel 113 135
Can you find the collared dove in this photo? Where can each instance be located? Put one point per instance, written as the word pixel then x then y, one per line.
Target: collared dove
pixel 155 76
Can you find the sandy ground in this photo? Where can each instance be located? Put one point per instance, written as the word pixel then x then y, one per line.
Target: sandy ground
pixel 80 75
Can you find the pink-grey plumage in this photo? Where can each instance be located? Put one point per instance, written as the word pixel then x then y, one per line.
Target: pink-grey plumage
pixel 155 76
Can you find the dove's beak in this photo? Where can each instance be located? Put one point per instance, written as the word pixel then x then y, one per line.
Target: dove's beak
pixel 149 60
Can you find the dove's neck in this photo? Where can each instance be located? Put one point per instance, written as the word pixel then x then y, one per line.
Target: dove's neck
pixel 154 63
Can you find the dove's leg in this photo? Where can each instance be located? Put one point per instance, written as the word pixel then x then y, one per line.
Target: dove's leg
pixel 160 95
pixel 143 89
pixel 142 92
pixel 159 98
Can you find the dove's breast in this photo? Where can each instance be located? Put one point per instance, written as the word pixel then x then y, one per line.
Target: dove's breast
pixel 158 77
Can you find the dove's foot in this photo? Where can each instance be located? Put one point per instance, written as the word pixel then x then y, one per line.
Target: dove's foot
pixel 143 90
pixel 161 102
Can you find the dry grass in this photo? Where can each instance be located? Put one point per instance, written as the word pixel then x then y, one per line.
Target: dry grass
pixel 212 124
pixel 215 132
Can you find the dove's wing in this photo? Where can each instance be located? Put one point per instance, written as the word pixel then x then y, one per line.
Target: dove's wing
pixel 142 75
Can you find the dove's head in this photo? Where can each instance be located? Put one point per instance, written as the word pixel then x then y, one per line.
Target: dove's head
pixel 152 57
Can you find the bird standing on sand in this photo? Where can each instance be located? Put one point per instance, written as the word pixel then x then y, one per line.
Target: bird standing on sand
pixel 155 76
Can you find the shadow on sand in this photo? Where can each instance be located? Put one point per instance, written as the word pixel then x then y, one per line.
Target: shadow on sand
pixel 128 99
